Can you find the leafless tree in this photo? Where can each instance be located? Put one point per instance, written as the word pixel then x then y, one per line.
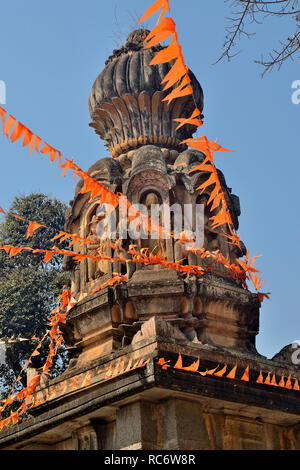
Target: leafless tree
pixel 246 12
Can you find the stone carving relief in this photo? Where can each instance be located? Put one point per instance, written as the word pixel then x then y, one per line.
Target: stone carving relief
pixel 97 232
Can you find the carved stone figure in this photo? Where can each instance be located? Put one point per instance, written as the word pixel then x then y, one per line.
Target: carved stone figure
pixel 97 268
pixel 154 245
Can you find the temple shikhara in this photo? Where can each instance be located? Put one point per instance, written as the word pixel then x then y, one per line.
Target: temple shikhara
pixel 166 358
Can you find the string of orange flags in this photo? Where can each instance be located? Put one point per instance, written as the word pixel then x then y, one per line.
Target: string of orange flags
pixel 91 185
pixel 33 226
pixel 57 316
pixel 115 369
pixel 248 266
pixel 97 190
pixel 166 28
pixel 231 373
pixel 179 76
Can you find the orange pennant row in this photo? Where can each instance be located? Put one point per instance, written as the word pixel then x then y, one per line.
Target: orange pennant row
pixel 57 316
pixel 166 29
pixel 142 257
pixel 223 372
pixel 79 382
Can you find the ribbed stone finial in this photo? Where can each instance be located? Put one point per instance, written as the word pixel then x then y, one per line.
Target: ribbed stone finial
pixel 126 102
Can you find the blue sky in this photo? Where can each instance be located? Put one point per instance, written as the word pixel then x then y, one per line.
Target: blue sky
pixel 52 52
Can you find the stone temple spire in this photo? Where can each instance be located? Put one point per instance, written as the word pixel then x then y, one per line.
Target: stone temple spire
pixel 126 101
pixel 150 166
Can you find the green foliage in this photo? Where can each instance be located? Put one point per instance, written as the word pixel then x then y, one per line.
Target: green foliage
pixel 39 208
pixel 28 287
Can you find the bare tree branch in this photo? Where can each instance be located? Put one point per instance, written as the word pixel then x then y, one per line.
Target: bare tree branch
pixel 247 12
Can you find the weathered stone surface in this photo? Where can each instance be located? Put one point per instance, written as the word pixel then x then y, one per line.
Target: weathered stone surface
pixel 153 408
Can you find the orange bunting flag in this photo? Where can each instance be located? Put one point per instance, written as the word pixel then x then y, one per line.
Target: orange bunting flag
pixel 263 296
pixel 288 383
pixel 52 152
pixel 260 379
pixel 176 73
pixel 2 211
pixel 14 251
pixel 28 140
pixel 205 146
pixel 10 122
pixel 17 132
pixel 209 372
pixel 232 373
pixel 86 381
pixel 37 143
pixel 268 379
pixel 246 375
pixel 191 120
pixel 2 114
pixel 33 226
pixel 75 385
pixel 221 372
pixel 129 365
pixel 178 364
pixel 166 55
pixel 193 367
pixel 164 4
pixel 184 89
pixel 296 385
pixel 273 381
pixel 48 257
pixel 282 381
pixel 163 31
pixel 109 372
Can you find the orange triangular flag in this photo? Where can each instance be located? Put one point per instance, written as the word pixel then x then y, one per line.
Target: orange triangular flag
pixel 166 55
pixel 178 364
pixel 75 385
pixel 176 73
pixel 232 373
pixel 288 383
pixel 3 114
pixel 209 372
pixel 260 379
pixel 17 132
pixel 48 257
pixel 86 381
pixel 161 361
pixel 129 365
pixel 221 372
pixel 191 120
pixel 109 372
pixel 282 381
pixel 268 380
pixel 154 8
pixel 160 33
pixel 10 122
pixel 37 143
pixel 273 381
pixel 296 385
pixel 32 227
pixel 193 367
